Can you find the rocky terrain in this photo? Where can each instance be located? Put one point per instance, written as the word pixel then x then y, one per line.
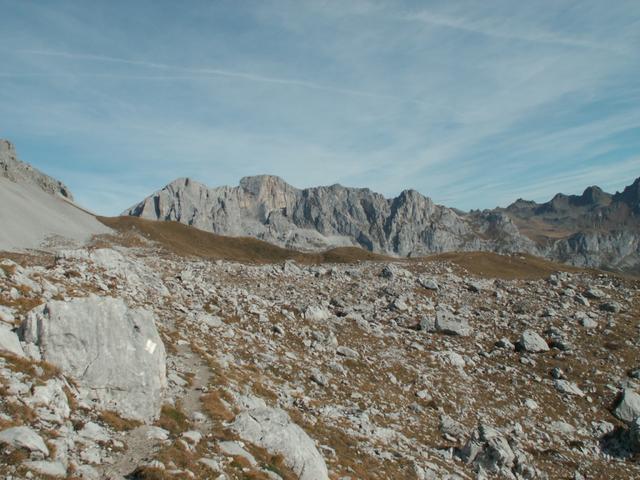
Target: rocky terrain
pixel 135 362
pixel 595 229
pixel 156 350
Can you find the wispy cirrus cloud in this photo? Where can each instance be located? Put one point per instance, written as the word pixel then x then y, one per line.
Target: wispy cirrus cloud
pixel 500 29
pixel 472 103
pixel 194 73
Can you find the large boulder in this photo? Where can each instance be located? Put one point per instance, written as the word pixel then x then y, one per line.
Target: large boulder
pixel 273 430
pixel 114 353
pixel 9 341
pixel 628 408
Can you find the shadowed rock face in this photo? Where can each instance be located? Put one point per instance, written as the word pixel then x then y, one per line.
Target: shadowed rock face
pixel 596 229
pixel 23 173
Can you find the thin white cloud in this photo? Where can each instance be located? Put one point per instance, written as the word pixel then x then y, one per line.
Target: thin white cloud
pixel 516 32
pixel 208 71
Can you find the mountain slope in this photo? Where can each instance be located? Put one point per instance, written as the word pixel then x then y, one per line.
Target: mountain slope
pixel 36 209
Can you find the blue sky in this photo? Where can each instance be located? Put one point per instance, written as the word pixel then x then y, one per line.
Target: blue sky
pixel 473 103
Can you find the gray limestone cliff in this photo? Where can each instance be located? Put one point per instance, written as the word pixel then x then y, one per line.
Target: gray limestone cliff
pixel 595 229
pixel 268 208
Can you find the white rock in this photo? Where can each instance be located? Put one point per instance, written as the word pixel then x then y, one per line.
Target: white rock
pixel 156 433
pixel 210 320
pixel 628 409
pixel 347 352
pixel 530 341
pixel 87 472
pixel 317 314
pixel 94 432
pixel 24 437
pixel 52 396
pixel 113 352
pixel 273 430
pixel 9 341
pixel 192 436
pixel 51 469
pixel 450 357
pixel 234 449
pixel 6 313
pixel 567 387
pixel 211 464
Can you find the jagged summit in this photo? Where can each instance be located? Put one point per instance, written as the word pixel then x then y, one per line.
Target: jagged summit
pixel 20 172
pixel 36 209
pixel 631 196
pixel 267 207
pixel 594 229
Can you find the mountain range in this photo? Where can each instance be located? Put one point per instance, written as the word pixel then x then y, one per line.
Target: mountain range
pixel 595 229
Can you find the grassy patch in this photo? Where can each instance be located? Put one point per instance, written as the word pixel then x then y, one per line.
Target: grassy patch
pixel 43 371
pixel 173 419
pixel 189 241
pixel 116 422
pixel 214 406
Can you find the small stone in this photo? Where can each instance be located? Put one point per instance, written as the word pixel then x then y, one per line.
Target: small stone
pixel 530 341
pixel 9 341
pixel 318 377
pixel 506 344
pixel 317 314
pixel 423 395
pixel 588 323
pixel 567 387
pixel 612 307
pixel 347 352
pixel 594 293
pixel 428 283
pixel 193 436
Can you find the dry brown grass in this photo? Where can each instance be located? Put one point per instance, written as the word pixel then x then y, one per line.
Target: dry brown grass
pixel 116 422
pixel 13 457
pixel 174 419
pixel 41 259
pixel 42 370
pixel 505 267
pixel 21 305
pixel 189 241
pixel 213 405
pixel 8 269
pixel 20 414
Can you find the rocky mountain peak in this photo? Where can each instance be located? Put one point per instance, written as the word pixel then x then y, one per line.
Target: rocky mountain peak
pixel 593 195
pixel 20 172
pixel 7 148
pixel 256 184
pixel 631 196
